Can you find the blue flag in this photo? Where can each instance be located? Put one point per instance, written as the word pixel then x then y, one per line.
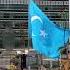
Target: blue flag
pixel 47 38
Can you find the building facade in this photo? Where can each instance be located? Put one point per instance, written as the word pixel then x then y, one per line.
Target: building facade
pixel 14 27
pixel 14 20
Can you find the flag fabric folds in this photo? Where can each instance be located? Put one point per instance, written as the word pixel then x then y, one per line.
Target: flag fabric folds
pixel 47 37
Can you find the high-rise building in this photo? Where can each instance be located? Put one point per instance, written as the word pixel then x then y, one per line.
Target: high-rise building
pixel 14 20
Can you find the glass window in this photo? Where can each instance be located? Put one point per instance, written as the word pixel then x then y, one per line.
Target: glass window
pixel 6 15
pixel 17 25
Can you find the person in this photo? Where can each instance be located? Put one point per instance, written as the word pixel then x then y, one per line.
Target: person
pixel 66 62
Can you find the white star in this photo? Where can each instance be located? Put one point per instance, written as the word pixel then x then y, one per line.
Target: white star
pixel 43 33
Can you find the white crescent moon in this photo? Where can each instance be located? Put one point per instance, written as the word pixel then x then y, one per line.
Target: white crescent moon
pixel 36 18
pixel 33 34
